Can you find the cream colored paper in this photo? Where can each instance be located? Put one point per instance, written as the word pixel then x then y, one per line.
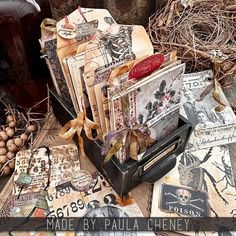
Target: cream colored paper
pixel 211 127
pixel 75 65
pixel 119 42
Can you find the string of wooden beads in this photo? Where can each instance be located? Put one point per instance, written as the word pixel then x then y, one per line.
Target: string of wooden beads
pixel 14 135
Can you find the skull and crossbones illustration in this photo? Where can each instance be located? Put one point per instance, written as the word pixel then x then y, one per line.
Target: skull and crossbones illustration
pixel 183 197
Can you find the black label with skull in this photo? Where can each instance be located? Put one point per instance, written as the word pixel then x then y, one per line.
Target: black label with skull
pixel 184 201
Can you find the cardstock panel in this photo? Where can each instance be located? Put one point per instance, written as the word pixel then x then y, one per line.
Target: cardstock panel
pixel 114 87
pixel 64 160
pixel 101 77
pixel 65 163
pixel 39 169
pixel 126 42
pixel 163 85
pixel 69 47
pixel 119 81
pixel 219 127
pixel 144 103
pixel 206 170
pixel 76 67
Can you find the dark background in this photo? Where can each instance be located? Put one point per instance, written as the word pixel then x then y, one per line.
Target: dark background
pixel 23 74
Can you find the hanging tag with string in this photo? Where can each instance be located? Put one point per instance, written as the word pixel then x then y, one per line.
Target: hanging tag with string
pixel 41 203
pixel 32 170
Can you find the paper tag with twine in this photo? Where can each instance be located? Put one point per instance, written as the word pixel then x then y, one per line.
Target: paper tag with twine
pixel 76 126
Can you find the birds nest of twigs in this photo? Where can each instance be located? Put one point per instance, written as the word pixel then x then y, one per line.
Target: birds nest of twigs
pixel 194 28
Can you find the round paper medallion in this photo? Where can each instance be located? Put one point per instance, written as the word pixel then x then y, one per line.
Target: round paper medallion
pixel 82 180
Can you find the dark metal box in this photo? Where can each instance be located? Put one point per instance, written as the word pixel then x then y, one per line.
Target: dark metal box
pixel 155 163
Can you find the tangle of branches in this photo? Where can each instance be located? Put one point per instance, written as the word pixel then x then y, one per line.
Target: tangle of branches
pixel 195 30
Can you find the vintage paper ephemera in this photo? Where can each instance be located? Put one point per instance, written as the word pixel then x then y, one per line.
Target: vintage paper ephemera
pixel 69 44
pixel 38 165
pixel 97 201
pixel 75 65
pixel 154 100
pixel 102 17
pixel 21 207
pixel 101 76
pixel 105 76
pixel 120 42
pixel 207 172
pixel 120 105
pixel 64 160
pixel 151 100
pixel 76 69
pixel 78 203
pixel 211 127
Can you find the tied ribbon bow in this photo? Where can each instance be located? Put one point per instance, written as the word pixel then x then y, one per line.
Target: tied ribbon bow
pixel 134 140
pixel 76 126
pixel 217 61
pixel 217 58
